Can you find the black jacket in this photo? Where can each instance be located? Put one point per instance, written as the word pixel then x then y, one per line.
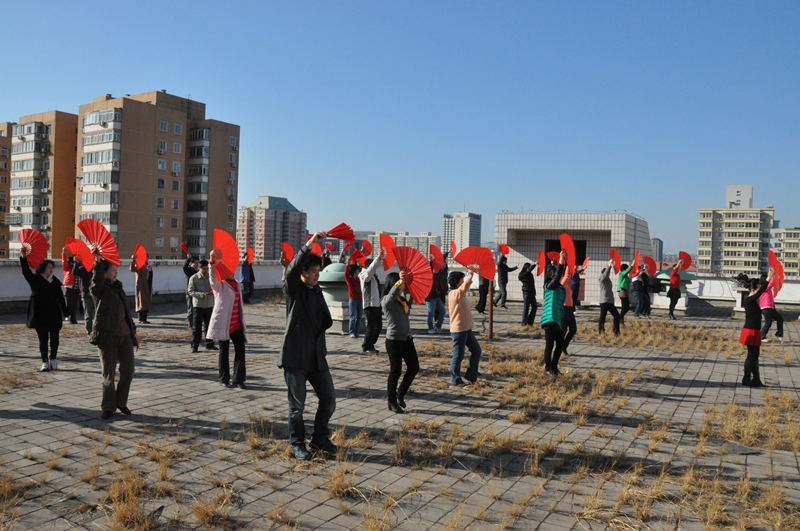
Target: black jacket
pixel 436 288
pixel 502 273
pixel 643 284
pixel 80 272
pixel 303 345
pixel 46 307
pixel 109 300
pixel 752 309
pixel 188 270
pixel 526 277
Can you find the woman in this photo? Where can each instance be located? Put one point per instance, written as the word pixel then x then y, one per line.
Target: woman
pixel 569 326
pixel 607 300
pixel 528 293
pixel 114 334
pixel 751 333
pixel 46 308
pixel 356 302
pixel 399 342
pixel 502 281
pixel 461 329
pixel 767 303
pixel 71 287
pixel 226 325
pixel 435 303
pixel 674 293
pixel 624 290
pixel 552 314
pixel 144 285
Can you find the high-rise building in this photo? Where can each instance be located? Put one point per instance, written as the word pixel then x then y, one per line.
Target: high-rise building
pixel 266 223
pixel 421 242
pixel 156 172
pixel 735 239
pixel 5 182
pixel 786 244
pixel 658 249
pixel 464 228
pixel 43 178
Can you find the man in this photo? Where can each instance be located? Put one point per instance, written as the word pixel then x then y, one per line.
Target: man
pixel 529 305
pixel 202 305
pixel 607 300
pixel 248 279
pixel 502 281
pixel 84 278
pixel 303 353
pixel 190 268
pixel 483 294
pixel 640 287
pixel 371 295
pixel 435 304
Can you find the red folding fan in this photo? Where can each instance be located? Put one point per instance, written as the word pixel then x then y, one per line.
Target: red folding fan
pixel 358 257
pixel 480 259
pixel 438 258
pixel 287 252
pixel 554 256
pixel 568 246
pixel 331 248
pixel 185 250
pixel 81 252
pixel 34 246
pixel 250 254
pixel 419 277
pixel 542 263
pixel 585 263
pixel 317 250
pixel 503 248
pixel 387 245
pixel 651 264
pixel 687 260
pixel 617 262
pixel 140 255
pixel 95 232
pixel 308 237
pixel 366 247
pixel 635 269
pixel 227 252
pixel 452 249
pixel 777 267
pixel 347 246
pixel 342 231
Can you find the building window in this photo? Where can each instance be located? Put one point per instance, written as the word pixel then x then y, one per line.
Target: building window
pixel 159 223
pixel 46 165
pixel 175 224
pixel 159 241
pixel 173 241
pixel 162 164
pixel 198 152
pixel 197 206
pixel 198 188
pixel 231 176
pixel 233 140
pixel 231 211
pixel 176 147
pixel 176 186
pixel 176 204
pixel 164 126
pixel 160 202
pixel 178 130
pixel 200 134
pixel 195 223
pixel 162 184
pixel 230 226
pixel 232 157
pixel 196 241
pixel 162 145
pixel 176 167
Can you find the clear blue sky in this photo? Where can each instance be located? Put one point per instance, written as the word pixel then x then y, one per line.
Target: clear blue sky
pixel 387 114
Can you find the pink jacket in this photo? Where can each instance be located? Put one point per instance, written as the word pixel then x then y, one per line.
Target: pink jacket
pixel 460 316
pixel 767 300
pixel 220 325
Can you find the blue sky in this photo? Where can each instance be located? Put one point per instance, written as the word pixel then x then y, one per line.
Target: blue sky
pixel 387 114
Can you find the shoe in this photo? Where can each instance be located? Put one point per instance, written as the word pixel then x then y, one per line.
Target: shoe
pixel 549 372
pixel 764 340
pixel 352 336
pixel 212 346
pixel 401 399
pixel 458 382
pixel 240 386
pixel 194 350
pixel 780 338
pixel 504 307
pixel 45 366
pixel 756 380
pixel 227 385
pixel 327 448
pixel 124 410
pixel 299 452
pixel 54 364
pixel 372 352
pixel 471 382
pixel 431 331
pixel 746 381
pixel 106 415
pixel 438 329
pixel 395 407
pixel 556 371
pixel 145 322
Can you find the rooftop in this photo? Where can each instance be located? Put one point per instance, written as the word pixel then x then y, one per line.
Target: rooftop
pixel 271 202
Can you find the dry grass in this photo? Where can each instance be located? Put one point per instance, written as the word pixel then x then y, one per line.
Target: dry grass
pixel 341 482
pixel 214 511
pixel 124 502
pixel 11 379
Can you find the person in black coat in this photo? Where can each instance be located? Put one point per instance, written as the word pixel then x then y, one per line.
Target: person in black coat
pixel 528 294
pixel 483 294
pixel 303 352
pixel 84 278
pixel 751 333
pixel 46 308
pixel 502 280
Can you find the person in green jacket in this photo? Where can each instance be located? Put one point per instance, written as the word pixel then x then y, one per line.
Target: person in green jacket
pixel 623 289
pixel 552 313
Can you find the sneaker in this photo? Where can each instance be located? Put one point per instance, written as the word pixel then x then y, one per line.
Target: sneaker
pixel 241 386
pixel 764 340
pixel 780 339
pixel 438 329
pixel 372 352
pixel 458 382
pixel 194 350
pixel 226 384
pixel 54 364
pixel 212 346
pixel 352 336
pixel 45 366
pixel 299 452
pixel 431 331
pixel 327 448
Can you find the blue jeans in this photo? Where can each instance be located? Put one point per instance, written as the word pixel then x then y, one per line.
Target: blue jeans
pixel 356 312
pixel 323 385
pixel 432 307
pixel 462 341
pixel 641 303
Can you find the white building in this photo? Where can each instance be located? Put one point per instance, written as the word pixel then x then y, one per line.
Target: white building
pixel 464 228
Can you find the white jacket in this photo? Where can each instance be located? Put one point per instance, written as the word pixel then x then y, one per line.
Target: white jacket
pixel 370 288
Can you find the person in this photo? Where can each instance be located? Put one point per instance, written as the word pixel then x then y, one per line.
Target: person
pixel 607 300
pixel 623 289
pixel 114 335
pixel 84 278
pixel 190 268
pixel 502 280
pixel 227 325
pixel 326 259
pixel 443 275
pixel 434 303
pixel 767 304
pixel 371 297
pixel 552 315
pixel 639 285
pixel 569 325
pixel 751 332
pixel 483 294
pixel 143 288
pixel 575 286
pixel 248 280
pixel 355 302
pixel 461 333
pixel 674 292
pixel 400 347
pixel 202 305
pixel 529 305
pixel 303 352
pixel 72 290
pixel 46 309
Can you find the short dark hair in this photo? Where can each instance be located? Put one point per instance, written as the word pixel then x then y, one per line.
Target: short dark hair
pixel 503 259
pixel 623 267
pixel 353 269
pixel 549 273
pixel 195 258
pixel 454 278
pixel 755 283
pixel 203 263
pixel 368 262
pixel 106 265
pixel 41 267
pixel 311 260
pixel 391 280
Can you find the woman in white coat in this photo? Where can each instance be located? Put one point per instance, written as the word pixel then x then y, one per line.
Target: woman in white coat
pixel 226 325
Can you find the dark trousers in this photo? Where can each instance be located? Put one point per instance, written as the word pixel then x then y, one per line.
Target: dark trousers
pixel 528 308
pixel 323 386
pixel 606 308
pixel 239 369
pixel 771 314
pixel 143 316
pixel 576 291
pixel 73 302
pixel 190 310
pixel 43 334
pixel 553 345
pixel 88 312
pixel 121 351
pixel 483 293
pixel 247 291
pixel 500 296
pixel 639 295
pixel 202 316
pixel 626 307
pixel 674 295
pixel 569 326
pixel 751 364
pixel 400 351
pixel 374 326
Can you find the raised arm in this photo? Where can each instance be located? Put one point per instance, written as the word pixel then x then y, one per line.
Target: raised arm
pixel 464 289
pixel 369 272
pixel 26 270
pixel 212 276
pixel 98 279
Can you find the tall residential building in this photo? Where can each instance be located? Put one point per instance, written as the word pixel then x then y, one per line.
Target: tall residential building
pixel 464 228
pixel 421 243
pixel 42 194
pixel 739 196
pixel 658 249
pixel 786 244
pixel 5 182
pixel 735 239
pixel 266 223
pixel 156 172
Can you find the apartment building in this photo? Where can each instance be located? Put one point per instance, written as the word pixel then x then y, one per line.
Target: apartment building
pixel 421 242
pixel 657 246
pixel 785 242
pixel 5 184
pixel 266 223
pixel 156 172
pixel 464 228
pixel 43 149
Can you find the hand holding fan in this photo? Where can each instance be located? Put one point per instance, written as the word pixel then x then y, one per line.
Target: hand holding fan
pixel 686 260
pixel 503 248
pixel 366 247
pixel 585 263
pixel 287 252
pixel 419 277
pixel 342 231
pixel 617 261
pixel 185 250
pixel 140 256
pixel 635 269
pixel 553 256
pixel 250 254
pixel 358 257
pixel 97 234
pixel 387 245
pixel 542 263
pixel 479 259
pixel 227 254
pixel 81 252
pixel 651 265
pixel 568 246
pixel 34 246
pixel 347 246
pixel 438 258
pixel 331 248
